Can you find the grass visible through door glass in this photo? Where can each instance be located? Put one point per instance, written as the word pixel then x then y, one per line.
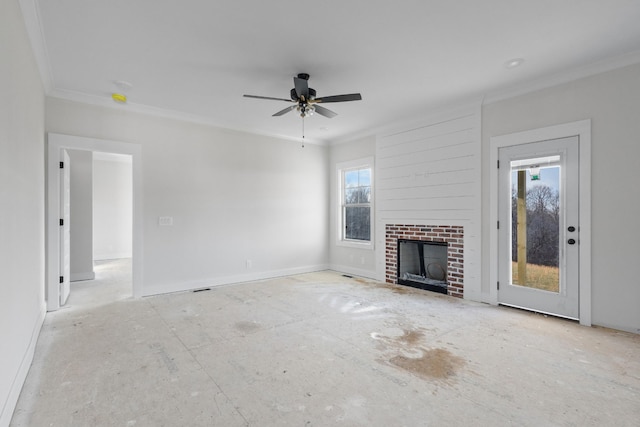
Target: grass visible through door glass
pixel 538 277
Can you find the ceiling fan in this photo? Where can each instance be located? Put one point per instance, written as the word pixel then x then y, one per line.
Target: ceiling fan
pixel 305 101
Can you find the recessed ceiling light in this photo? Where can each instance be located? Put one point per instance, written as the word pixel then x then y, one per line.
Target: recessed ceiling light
pixel 513 63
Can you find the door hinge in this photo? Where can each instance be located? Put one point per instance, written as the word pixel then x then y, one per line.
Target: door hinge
pixel 498 225
pixel 61 279
pixel 498 164
pixel 498 285
pixel 61 222
pixel 61 165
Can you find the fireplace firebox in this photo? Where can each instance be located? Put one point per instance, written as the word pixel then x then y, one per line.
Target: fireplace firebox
pixel 450 235
pixel 423 265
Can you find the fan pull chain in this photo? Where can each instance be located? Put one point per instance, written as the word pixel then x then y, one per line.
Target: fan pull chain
pixel 303 132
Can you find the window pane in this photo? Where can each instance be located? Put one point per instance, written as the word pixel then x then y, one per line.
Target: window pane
pixel 351 179
pixel 357 223
pixel 535 228
pixel 351 195
pixel 364 177
pixel 364 195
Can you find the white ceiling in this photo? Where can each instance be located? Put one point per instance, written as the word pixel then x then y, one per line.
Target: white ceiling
pixel 196 58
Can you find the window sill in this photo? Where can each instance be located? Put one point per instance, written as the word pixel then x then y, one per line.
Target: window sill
pixel 355 244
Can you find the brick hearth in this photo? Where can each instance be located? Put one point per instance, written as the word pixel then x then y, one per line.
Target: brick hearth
pixel 453 235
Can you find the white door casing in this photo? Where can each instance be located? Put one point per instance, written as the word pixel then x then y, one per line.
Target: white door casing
pixel 581 129
pixel 65 226
pixel 556 292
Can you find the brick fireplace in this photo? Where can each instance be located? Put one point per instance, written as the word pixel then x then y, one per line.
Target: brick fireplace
pixel 452 235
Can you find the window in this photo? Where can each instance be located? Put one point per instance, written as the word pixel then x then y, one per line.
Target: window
pixel 355 203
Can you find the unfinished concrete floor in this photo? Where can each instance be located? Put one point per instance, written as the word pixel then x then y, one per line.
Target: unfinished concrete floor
pixel 320 350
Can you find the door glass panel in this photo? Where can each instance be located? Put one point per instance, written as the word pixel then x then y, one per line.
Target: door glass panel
pixel 535 223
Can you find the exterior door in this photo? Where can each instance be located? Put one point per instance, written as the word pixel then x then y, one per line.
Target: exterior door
pixel 538 235
pixel 65 235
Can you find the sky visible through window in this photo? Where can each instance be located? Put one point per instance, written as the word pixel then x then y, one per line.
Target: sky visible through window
pixel 358 178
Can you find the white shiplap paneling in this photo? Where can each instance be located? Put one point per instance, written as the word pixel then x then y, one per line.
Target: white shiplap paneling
pixel 430 174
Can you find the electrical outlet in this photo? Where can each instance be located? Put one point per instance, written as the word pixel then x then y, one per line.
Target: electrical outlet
pixel 249 264
pixel 165 220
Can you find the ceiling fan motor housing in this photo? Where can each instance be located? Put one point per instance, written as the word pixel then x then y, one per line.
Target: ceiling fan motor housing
pixel 294 94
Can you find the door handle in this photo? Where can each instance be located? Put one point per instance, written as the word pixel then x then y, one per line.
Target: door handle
pixel 571 241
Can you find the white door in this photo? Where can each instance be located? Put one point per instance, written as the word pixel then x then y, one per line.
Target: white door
pixel 538 234
pixel 65 235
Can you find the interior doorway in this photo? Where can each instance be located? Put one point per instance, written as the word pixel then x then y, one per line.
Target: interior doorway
pixel 57 144
pixel 101 218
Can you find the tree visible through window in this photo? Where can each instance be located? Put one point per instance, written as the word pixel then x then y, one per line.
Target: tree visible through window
pixel 356 204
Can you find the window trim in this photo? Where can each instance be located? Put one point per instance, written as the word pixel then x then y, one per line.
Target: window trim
pixel 341 168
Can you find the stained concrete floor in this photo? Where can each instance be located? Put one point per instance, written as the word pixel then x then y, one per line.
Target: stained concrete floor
pixel 320 349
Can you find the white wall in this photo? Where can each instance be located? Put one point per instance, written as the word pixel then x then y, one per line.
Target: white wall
pixel 81 171
pixel 610 100
pixel 243 206
pixel 361 262
pixel 21 206
pixel 112 206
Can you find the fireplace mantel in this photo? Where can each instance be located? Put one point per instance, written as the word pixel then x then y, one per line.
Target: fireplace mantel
pixel 453 235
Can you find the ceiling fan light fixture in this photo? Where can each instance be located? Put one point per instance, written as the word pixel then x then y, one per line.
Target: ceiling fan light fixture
pixel 305 101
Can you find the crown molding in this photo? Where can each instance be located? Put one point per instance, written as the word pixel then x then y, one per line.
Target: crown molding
pixel 500 95
pixel 33 24
pixel 563 77
pixel 31 15
pixel 470 105
pixel 107 102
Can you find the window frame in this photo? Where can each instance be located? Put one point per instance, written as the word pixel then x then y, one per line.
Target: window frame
pixel 341 169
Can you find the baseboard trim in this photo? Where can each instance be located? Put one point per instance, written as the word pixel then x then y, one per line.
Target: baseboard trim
pixel 229 280
pixel 353 271
pixel 21 375
pixel 87 275
pixel 110 256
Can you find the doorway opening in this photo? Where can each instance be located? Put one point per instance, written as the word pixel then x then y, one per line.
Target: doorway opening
pixel 563 153
pixel 58 145
pixel 100 222
pixel 539 239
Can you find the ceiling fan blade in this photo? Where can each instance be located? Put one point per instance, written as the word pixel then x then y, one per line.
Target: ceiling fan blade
pixel 324 111
pixel 340 98
pixel 285 111
pixel 266 97
pixel 302 87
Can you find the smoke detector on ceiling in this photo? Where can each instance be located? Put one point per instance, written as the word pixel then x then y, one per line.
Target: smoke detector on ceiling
pixel 121 89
